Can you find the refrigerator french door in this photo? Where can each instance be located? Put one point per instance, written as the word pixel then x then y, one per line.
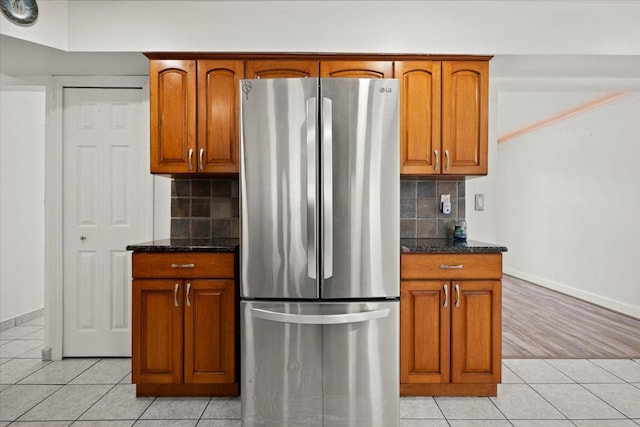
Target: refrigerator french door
pixel 319 252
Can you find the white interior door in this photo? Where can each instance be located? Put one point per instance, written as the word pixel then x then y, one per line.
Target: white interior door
pixel 105 180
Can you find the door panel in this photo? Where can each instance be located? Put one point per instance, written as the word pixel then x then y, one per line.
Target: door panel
pixel 357 69
pixel 424 332
pixel 476 331
pixel 360 381
pixel 361 184
pixel 278 192
pixel 218 108
pixel 172 99
pixel 209 341
pixel 303 366
pixel 105 182
pixel 157 317
pixel 281 369
pixel 465 102
pixel 420 92
pixel 273 69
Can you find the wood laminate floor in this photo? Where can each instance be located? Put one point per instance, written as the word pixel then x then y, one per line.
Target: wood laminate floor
pixel 541 323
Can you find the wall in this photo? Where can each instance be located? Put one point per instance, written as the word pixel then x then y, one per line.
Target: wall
pixel 569 204
pixel 555 27
pixel 50 29
pixel 22 114
pixel 472 27
pixel 482 225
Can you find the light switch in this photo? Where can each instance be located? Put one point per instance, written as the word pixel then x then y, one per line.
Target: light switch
pixel 479 202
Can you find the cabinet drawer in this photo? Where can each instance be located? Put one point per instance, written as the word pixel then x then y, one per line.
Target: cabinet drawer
pixel 451 266
pixel 179 265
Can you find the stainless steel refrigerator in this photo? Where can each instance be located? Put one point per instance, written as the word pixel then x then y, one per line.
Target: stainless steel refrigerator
pixel 320 252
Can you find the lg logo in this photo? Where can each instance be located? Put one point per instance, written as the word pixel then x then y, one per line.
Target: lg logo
pixel 386 90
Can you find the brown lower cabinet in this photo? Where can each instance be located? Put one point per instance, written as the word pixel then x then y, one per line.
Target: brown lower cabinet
pixel 184 326
pixel 450 324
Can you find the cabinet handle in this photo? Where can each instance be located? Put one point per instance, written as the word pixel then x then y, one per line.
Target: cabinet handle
pixel 457 295
pixel 188 291
pixel 200 159
pixel 451 267
pixel 175 295
pixel 183 265
pixel 446 156
pixel 446 295
pixel 190 159
pixel 437 164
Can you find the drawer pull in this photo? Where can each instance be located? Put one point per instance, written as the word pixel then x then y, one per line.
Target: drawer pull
pixel 451 267
pixel 446 295
pixel 183 266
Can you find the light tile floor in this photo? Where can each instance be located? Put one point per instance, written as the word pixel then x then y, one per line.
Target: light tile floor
pixel 98 392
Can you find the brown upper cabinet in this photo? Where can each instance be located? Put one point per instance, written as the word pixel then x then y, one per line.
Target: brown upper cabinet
pixel 219 115
pixel 443 117
pixel 357 69
pixel 195 108
pixel 275 69
pixel 420 112
pixel 194 115
pixel 172 98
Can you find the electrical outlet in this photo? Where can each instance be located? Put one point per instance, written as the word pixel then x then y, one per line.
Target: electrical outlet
pixel 445 203
pixel 479 202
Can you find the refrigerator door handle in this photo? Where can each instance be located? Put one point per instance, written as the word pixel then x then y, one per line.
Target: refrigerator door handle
pixel 311 189
pixel 320 319
pixel 327 187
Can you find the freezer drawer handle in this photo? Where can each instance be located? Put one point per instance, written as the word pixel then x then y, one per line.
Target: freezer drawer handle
pixel 320 319
pixel 451 267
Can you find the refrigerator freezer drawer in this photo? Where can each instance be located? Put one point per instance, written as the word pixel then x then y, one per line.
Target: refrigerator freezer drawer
pixel 320 364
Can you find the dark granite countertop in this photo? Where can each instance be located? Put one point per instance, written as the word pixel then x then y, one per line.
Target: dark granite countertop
pixel 187 245
pixel 231 245
pixel 448 246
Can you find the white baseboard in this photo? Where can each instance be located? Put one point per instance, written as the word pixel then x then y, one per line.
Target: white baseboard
pixel 23 318
pixel 621 307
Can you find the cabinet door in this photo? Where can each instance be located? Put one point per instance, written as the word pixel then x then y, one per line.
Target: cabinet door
pixel 357 69
pixel 157 332
pixel 465 104
pixel 172 98
pixel 209 332
pixel 476 342
pixel 420 97
pixel 218 115
pixel 272 69
pixel 424 331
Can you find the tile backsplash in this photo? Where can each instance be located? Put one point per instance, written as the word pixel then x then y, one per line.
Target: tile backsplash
pixel 420 215
pixel 204 208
